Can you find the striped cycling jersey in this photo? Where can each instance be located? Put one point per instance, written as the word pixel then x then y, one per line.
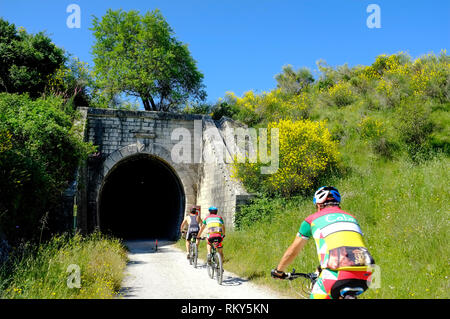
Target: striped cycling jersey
pixel 214 224
pixel 338 238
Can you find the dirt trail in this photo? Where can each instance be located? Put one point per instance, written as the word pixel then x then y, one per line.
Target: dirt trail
pixel 167 274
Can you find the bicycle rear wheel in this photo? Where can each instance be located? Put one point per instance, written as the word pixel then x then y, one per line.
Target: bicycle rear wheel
pixel 219 269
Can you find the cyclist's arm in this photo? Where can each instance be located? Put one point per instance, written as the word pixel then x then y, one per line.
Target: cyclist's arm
pixel 292 252
pixel 223 229
pixel 201 230
pixel 182 225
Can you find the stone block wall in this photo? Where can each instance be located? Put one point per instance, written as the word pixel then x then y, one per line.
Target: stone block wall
pixel 217 186
pixel 119 134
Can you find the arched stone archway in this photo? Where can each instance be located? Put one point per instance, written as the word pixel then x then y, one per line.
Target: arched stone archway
pixel 168 189
pixel 147 139
pixel 141 197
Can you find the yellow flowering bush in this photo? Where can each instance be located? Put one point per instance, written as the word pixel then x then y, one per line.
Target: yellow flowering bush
pixel 306 153
pixel 387 63
pixel 374 133
pixel 341 94
pixel 270 106
pixel 431 76
pixel 385 87
pixel 381 90
pixel 370 128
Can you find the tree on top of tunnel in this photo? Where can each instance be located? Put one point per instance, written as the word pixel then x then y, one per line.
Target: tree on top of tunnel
pixel 139 55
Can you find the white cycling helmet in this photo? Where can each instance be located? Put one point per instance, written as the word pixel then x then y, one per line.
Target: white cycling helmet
pixel 324 193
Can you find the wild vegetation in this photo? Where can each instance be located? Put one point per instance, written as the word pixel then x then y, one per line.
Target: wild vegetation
pixel 40 151
pixel 43 270
pixel 379 133
pixel 39 154
pixel 383 142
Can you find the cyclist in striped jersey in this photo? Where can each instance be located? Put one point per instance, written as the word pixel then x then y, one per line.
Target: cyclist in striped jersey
pixel 344 259
pixel 215 230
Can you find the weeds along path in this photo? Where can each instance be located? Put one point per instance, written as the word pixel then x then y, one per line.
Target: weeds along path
pixel 166 274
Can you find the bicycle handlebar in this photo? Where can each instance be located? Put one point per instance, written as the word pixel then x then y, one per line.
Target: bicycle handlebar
pixel 293 275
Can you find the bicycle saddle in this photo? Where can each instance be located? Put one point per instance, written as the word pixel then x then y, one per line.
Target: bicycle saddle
pixel 351 292
pixel 348 288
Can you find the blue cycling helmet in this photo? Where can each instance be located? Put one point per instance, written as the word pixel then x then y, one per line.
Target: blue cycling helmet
pixel 327 194
pixel 213 209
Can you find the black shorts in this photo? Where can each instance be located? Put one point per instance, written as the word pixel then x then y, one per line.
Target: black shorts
pixel 191 234
pixel 216 240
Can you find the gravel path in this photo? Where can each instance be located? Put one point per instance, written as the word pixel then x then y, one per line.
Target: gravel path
pixel 166 274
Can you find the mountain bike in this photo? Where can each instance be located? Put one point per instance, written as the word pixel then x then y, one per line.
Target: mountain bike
pixel 344 291
pixel 215 264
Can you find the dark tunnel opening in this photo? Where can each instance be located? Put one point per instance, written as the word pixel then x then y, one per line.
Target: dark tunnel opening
pixel 141 198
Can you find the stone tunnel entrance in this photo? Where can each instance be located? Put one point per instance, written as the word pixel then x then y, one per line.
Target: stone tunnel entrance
pixel 141 197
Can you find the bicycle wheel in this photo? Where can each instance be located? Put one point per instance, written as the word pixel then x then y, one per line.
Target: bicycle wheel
pixel 219 269
pixel 190 254
pixel 195 255
pixel 210 267
pixel 302 287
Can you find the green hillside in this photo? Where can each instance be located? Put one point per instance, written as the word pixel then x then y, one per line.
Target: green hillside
pixel 390 122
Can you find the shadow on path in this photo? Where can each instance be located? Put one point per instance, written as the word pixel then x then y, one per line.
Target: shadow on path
pixel 233 281
pixel 147 246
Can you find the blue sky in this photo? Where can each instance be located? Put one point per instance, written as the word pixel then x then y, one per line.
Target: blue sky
pixel 242 45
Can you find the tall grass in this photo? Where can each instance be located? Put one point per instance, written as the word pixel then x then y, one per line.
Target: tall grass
pixel 40 272
pixel 403 211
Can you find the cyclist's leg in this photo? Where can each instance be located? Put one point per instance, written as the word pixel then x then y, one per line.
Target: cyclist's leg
pixel 220 251
pixel 188 239
pixel 322 287
pixel 208 247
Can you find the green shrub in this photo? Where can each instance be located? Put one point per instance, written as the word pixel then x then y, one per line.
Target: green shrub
pixel 340 94
pixel 39 156
pixel 415 127
pixel 440 137
pixel 374 133
pixel 261 209
pixel 222 109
